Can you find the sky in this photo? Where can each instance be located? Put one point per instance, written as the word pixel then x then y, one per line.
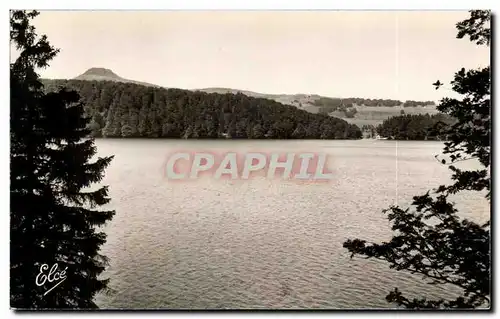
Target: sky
pixel 368 54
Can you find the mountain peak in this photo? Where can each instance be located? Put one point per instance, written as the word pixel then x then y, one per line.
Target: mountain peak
pixel 101 72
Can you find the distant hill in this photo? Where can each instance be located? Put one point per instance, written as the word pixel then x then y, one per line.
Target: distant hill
pixel 358 111
pixel 300 101
pixel 102 74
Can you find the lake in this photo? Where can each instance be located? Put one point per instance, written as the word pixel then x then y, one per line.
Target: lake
pixel 260 243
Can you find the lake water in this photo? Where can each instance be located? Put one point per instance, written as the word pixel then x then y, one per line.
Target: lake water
pixel 209 244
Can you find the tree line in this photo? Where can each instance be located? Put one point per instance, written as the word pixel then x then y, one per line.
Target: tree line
pixel 121 109
pixel 414 127
pixel 411 103
pixel 338 104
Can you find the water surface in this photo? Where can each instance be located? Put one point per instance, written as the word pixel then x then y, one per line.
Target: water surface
pixel 262 243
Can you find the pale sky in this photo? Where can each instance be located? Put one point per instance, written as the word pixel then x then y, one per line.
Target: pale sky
pixel 374 54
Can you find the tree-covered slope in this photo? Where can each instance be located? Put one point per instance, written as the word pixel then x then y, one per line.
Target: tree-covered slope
pixel 416 126
pixel 129 110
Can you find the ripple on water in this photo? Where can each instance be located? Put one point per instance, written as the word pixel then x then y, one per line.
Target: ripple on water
pixel 260 244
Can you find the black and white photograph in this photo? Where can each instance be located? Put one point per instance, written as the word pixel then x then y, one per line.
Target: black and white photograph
pixel 250 160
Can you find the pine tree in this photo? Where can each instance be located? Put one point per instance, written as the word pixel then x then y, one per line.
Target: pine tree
pixel 53 220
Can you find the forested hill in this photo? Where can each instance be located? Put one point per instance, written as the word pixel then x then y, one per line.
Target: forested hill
pixel 122 109
pixel 416 127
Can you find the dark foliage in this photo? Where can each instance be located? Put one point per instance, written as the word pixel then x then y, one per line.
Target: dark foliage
pixel 411 103
pixel 416 127
pixel 328 105
pixel 431 239
pixel 130 110
pixel 369 130
pixel 53 215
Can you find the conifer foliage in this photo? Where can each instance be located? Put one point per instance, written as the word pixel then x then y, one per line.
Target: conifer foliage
pixel 131 110
pixel 54 214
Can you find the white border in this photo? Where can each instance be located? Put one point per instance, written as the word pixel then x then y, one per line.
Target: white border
pixel 189 5
pixel 256 4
